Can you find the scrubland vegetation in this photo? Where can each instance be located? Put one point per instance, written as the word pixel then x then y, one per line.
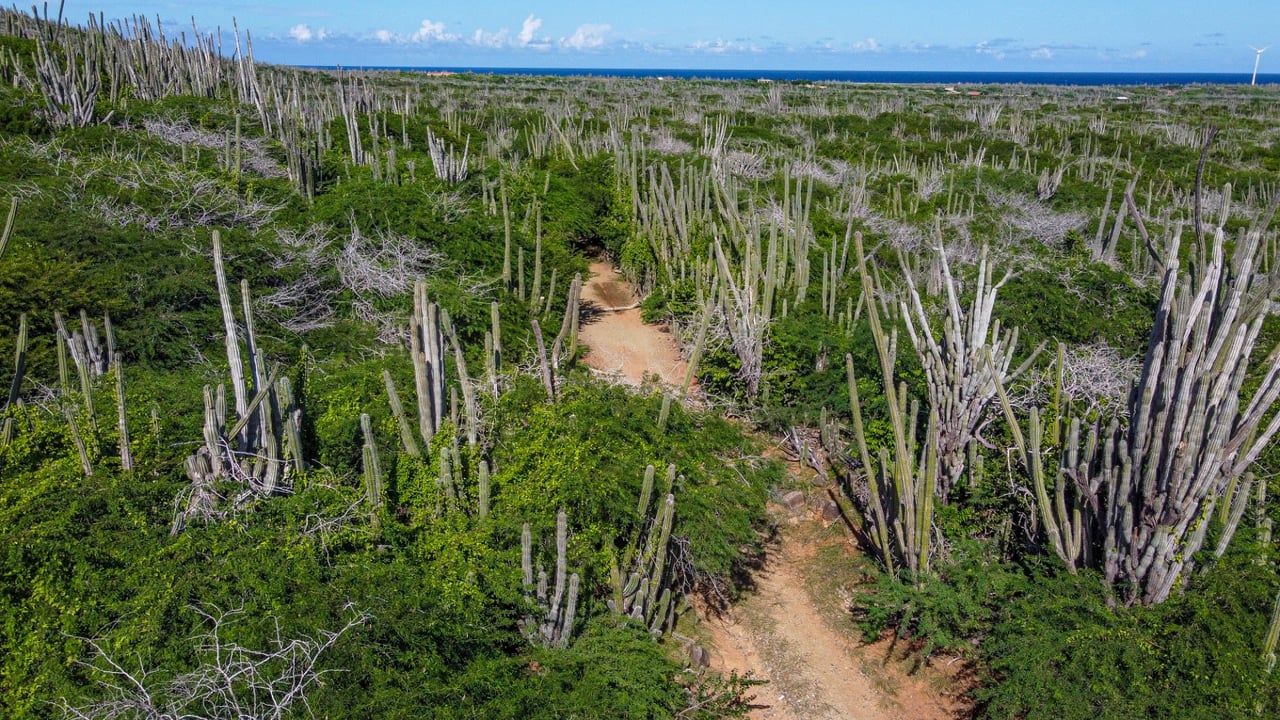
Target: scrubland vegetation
pixel 296 424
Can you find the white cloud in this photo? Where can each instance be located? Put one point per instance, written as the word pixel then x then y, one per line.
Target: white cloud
pixel 431 32
pixel 986 48
pixel 487 39
pixel 1139 54
pixel 719 46
pixel 301 32
pixel 384 36
pixel 586 37
pixel 868 45
pixel 529 29
pixel 1042 53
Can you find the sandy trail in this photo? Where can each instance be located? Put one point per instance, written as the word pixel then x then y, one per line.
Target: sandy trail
pixel 621 344
pixel 815 670
pixel 777 632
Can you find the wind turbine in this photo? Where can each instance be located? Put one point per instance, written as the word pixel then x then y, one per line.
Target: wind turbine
pixel 1257 59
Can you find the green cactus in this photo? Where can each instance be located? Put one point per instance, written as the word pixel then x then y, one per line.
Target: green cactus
pixel 558 609
pixel 642 584
pixel 560 356
pixel 1138 499
pixel 126 455
pixel 7 233
pixel 19 362
pixel 903 479
pixel 402 421
pixel 86 464
pixel 263 447
pixel 482 499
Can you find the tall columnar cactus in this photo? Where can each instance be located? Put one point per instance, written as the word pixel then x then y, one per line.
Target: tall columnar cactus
pixel 482 492
pixel 506 237
pixel 235 362
pixel 126 454
pixel 470 405
pixel 82 449
pixel 902 478
pixel 535 294
pixel 548 379
pixel 19 362
pixel 1273 638
pixel 961 383
pixel 402 420
pixel 699 342
pixel 1138 499
pixel 493 349
pixel 7 232
pixel 262 448
pixel 562 354
pixel 555 627
pixel 426 345
pixel 15 385
pixel 644 583
pixel 372 466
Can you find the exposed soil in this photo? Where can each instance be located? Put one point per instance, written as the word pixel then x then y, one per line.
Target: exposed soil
pixel 815 669
pixel 785 630
pixel 621 344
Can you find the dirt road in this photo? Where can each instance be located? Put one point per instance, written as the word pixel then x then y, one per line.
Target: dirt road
pixel 816 667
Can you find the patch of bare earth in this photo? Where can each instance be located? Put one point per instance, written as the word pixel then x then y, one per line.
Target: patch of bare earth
pixel 789 631
pixel 792 629
pixel 621 345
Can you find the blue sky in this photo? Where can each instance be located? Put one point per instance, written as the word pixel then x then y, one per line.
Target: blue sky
pixel 1065 35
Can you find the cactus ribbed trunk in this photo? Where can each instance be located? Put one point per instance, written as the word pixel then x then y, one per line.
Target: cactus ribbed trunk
pixel 1139 499
pixel 903 478
pixel 961 384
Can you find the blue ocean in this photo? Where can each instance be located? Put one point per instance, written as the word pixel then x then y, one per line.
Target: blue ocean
pixel 946 77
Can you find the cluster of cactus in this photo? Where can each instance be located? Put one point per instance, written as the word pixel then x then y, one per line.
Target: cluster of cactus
pixel 429 327
pixel 1138 499
pixel 20 347
pixel 902 479
pixel 92 360
pixel 643 583
pixel 68 69
pixel 263 448
pixel 555 626
pixel 961 384
pixel 759 268
pixel 445 161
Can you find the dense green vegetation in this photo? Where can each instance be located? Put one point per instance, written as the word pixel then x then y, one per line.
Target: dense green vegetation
pixel 344 466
